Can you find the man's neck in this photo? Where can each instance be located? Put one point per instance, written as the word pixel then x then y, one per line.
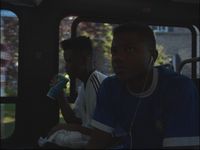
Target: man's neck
pixel 142 83
pixel 85 75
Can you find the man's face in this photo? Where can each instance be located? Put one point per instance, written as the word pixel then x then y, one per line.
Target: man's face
pixel 73 62
pixel 129 57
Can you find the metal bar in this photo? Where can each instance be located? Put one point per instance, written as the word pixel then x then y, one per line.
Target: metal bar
pixel 191 60
pixel 194 51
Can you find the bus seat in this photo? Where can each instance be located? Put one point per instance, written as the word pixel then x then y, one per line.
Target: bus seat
pixel 167 66
pixel 197 83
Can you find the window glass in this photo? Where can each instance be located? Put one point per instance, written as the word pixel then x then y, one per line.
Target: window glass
pixel 9 69
pixel 174 46
pixel 9 53
pixel 7 120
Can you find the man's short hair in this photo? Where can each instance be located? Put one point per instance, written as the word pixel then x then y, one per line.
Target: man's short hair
pixel 78 44
pixel 140 29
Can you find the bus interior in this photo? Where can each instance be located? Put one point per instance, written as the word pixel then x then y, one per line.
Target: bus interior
pixel 42 25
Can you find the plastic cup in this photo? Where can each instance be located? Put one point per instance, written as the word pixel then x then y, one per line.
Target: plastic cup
pixel 58 87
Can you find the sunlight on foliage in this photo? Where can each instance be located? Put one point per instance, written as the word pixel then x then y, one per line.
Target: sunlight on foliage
pixel 163 58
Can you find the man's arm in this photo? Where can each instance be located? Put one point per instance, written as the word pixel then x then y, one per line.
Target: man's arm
pixel 66 110
pixel 71 127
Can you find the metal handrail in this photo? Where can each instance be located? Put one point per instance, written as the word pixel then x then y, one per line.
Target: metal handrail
pixel 191 60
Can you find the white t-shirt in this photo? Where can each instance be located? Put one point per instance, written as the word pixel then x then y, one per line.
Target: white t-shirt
pixel 86 100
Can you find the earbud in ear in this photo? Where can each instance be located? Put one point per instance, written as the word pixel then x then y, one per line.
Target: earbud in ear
pixel 151 60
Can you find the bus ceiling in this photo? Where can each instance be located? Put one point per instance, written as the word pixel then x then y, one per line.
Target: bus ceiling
pixel 28 3
pixel 174 12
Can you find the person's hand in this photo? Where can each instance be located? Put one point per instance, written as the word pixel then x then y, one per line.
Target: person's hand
pixel 57 78
pixel 61 96
pixel 58 83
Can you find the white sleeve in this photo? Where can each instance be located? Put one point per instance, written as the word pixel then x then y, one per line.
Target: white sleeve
pixel 92 87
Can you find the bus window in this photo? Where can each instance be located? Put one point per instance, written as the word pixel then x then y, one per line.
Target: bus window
pixel 174 46
pixel 9 70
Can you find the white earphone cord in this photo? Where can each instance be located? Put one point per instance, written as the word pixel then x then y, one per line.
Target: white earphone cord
pixel 138 104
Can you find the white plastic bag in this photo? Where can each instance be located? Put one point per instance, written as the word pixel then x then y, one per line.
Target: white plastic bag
pixel 71 139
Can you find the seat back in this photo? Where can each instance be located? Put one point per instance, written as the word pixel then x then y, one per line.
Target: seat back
pixel 197 83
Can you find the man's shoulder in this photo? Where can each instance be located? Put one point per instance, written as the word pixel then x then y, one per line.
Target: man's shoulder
pixel 111 82
pixel 174 78
pixel 112 78
pixel 98 75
